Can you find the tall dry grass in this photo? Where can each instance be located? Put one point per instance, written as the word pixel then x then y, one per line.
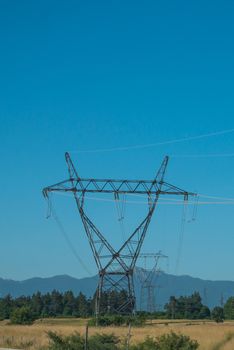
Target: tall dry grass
pixel 211 336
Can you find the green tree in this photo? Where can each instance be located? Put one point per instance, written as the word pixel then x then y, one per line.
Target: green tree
pixel 189 307
pixel 82 306
pixel 46 311
pixel 56 303
pixel 171 307
pixel 217 314
pixel 6 307
pixel 22 315
pixel 229 309
pixel 204 312
pixel 37 304
pixel 69 303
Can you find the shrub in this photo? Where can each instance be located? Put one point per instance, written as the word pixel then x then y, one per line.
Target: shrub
pixel 22 315
pixel 71 342
pixel 137 321
pixel 217 314
pixel 118 320
pixel 103 342
pixel 171 341
pixel 105 321
pixel 148 344
pixel 76 342
pixel 229 309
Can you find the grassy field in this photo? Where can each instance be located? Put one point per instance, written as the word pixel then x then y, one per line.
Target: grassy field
pixel 208 334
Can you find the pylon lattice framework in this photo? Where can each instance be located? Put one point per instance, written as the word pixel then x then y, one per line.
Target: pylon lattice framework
pixel 115 266
pixel 148 277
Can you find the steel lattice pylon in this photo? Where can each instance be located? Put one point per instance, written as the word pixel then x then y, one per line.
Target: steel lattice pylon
pixel 148 276
pixel 115 266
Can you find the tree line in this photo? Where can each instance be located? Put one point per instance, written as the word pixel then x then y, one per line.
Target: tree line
pixel 187 307
pixel 191 307
pixel 25 309
pixel 56 304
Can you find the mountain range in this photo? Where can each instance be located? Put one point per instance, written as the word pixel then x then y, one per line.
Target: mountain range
pixel 213 293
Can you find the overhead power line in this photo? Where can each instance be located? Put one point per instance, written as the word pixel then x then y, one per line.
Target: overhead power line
pixel 154 144
pixel 208 155
pixel 222 201
pixel 181 236
pixel 67 239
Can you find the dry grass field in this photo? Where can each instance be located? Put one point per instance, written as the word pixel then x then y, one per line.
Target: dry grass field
pixel 208 334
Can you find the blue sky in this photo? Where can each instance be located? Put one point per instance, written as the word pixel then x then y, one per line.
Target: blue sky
pixel 86 75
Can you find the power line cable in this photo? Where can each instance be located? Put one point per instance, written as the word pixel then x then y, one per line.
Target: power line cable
pixel 126 148
pixel 67 239
pixel 181 236
pixel 229 201
pixel 208 155
pixel 223 201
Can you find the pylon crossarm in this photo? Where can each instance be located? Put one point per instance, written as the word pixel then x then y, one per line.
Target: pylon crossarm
pixel 169 189
pixel 104 186
pixel 144 187
pixel 90 185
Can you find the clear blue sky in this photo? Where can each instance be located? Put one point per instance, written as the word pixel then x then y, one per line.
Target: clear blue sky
pixel 81 75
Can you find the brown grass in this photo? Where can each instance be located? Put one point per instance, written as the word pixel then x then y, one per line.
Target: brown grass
pixel 208 334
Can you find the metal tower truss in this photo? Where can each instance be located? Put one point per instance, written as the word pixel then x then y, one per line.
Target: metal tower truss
pixel 115 266
pixel 148 276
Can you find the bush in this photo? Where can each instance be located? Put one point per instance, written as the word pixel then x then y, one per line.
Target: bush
pixel 76 342
pixel 103 342
pixel 171 341
pixel 71 342
pixel 22 315
pixel 118 320
pixel 229 309
pixel 137 321
pixel 104 321
pixel 148 344
pixel 217 314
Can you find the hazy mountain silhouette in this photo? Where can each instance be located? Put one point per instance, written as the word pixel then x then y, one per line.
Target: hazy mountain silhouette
pixel 166 285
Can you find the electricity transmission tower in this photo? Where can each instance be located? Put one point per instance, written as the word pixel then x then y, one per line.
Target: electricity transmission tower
pixel 115 266
pixel 148 276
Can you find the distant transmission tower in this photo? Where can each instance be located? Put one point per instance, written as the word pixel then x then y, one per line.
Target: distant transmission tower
pixel 205 296
pixel 221 300
pixel 148 277
pixel 115 266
